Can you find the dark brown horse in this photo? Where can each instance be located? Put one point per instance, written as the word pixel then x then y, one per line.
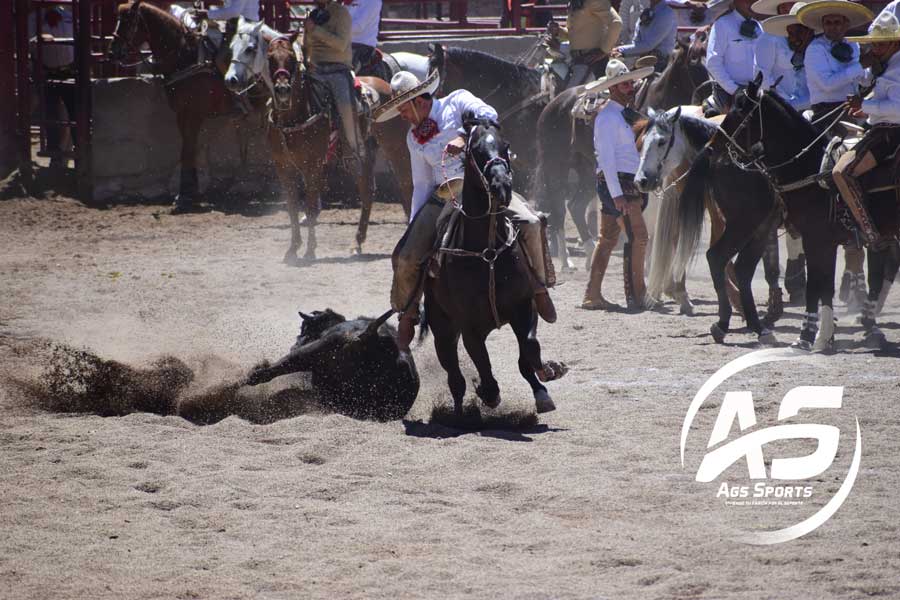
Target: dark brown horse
pixel 484 281
pixel 676 84
pixel 299 133
pixel 195 93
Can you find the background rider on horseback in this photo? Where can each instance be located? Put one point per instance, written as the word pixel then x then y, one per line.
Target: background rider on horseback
pixel 436 148
pixel 592 28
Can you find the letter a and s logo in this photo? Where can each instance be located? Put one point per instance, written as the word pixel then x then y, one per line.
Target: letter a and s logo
pixel 739 406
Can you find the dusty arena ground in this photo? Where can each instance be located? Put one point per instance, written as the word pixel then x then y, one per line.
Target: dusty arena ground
pixel 593 502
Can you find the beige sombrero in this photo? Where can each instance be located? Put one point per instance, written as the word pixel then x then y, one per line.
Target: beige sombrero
pixel 885 28
pixel 778 25
pixel 812 13
pixel 768 7
pixel 404 87
pixel 616 73
pixel 646 61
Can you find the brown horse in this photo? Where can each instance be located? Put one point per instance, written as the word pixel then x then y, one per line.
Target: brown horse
pixel 676 84
pixel 300 129
pixel 195 92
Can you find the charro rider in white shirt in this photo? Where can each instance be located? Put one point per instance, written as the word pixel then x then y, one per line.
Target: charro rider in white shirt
pixel 366 19
pixel 621 202
pixel 883 113
pixel 832 64
pixel 729 53
pixel 780 50
pixel 436 142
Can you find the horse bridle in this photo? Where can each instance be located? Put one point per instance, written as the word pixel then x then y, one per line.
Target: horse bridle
pixel 137 20
pixel 257 77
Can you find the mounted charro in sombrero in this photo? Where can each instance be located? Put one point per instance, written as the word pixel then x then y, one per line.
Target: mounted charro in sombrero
pixel 404 87
pixel 616 72
pixel 811 14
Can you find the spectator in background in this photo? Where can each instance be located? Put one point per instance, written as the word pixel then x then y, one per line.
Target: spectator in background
pixel 365 16
pixel 57 61
pixel 655 35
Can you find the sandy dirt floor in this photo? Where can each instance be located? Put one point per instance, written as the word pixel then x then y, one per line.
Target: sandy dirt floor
pixel 593 502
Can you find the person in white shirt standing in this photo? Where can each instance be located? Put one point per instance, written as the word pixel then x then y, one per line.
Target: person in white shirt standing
pixel 365 16
pixel 436 142
pixel 621 202
pixel 57 60
pixel 883 112
pixel 832 64
pixel 779 52
pixel 729 53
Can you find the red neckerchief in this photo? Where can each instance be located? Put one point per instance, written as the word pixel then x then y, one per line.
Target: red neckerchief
pixel 425 130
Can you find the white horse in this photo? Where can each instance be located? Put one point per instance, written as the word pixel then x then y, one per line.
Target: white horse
pixel 249 50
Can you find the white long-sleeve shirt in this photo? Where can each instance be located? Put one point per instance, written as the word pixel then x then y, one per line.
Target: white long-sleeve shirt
pixel 729 55
pixel 884 105
pixel 829 79
pixel 772 58
pixel 614 146
pixel 365 16
pixel 232 9
pixel 426 159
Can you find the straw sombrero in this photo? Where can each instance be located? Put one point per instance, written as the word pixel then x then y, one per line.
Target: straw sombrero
pixel 778 25
pixel 768 7
pixel 646 61
pixel 885 28
pixel 404 87
pixel 616 73
pixel 812 13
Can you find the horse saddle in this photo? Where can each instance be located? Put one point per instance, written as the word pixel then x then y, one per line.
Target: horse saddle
pixel 587 106
pixel 370 92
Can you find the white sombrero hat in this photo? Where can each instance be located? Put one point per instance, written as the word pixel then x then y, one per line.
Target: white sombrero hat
pixel 616 73
pixel 768 7
pixel 885 28
pixel 778 25
pixel 404 87
pixel 812 13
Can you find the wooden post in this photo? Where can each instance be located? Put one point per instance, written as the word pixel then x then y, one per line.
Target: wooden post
pixel 23 94
pixel 84 95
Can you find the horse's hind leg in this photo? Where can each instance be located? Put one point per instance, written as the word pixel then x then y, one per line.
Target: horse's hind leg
pixel 288 178
pixel 487 389
pixel 364 186
pixel 745 266
pixel 446 343
pixel 772 269
pixel 717 229
pixel 718 256
pixel 524 324
pixel 879 264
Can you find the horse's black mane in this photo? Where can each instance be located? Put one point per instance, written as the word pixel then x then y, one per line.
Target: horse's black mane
pixel 500 67
pixel 697 131
pixel 791 113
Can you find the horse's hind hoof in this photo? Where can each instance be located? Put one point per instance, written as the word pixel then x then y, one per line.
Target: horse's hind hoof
pixel 543 402
pixel 686 309
pixel 767 338
pixel 802 344
pixel 717 333
pixel 875 339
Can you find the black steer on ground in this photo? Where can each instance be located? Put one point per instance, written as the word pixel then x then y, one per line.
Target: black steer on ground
pixel 356 367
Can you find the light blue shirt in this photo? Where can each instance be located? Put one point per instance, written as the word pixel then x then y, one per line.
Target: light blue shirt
pixel 829 79
pixel 729 55
pixel 773 59
pixel 658 34
pixel 884 105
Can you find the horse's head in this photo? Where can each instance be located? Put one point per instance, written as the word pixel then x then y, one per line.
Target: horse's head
pixel 661 149
pixel 248 55
pixel 130 33
pixel 285 63
pixel 487 161
pixel 739 122
pixel 697 48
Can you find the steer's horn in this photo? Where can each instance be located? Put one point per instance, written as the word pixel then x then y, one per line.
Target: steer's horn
pixel 372 329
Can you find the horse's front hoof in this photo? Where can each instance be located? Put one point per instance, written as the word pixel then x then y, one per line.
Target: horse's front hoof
pixel 718 333
pixel 491 398
pixel 356 250
pixel 686 308
pixel 310 255
pixel 290 257
pixel 767 338
pixel 875 339
pixel 543 402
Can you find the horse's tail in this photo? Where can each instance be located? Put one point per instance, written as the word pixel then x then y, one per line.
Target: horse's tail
pixel 423 323
pixel 688 222
pixel 665 241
